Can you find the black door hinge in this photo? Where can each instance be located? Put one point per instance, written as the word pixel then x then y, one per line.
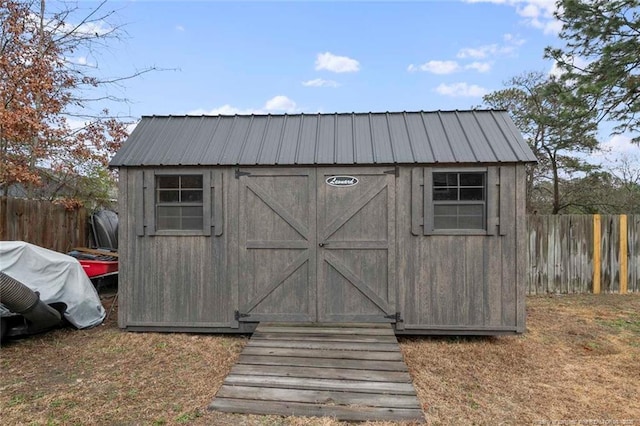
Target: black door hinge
pixel 237 315
pixel 239 173
pixel 397 317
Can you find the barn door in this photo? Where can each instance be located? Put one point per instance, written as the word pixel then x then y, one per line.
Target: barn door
pixel 356 245
pixel 277 262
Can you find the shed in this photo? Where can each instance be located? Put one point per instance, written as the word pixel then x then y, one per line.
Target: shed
pixel 411 218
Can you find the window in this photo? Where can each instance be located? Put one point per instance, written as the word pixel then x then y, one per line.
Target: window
pixel 179 202
pixel 459 200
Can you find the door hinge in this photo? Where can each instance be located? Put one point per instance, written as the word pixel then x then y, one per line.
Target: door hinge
pixel 239 173
pixel 397 317
pixel 237 315
pixel 395 171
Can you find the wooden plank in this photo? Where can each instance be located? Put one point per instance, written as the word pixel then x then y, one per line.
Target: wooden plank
pixel 596 253
pixel 327 373
pixel 231 405
pixel 280 395
pixel 362 386
pixel 624 274
pixel 388 331
pixel 96 252
pixel 323 353
pixel 332 325
pixel 323 362
pixel 416 201
pixel 312 337
pixel 349 346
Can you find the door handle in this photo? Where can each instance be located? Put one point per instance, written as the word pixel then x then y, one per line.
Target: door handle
pixel 321 244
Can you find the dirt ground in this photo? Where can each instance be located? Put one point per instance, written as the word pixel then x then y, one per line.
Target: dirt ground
pixel 578 363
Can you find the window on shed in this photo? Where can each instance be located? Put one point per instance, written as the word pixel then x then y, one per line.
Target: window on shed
pixel 459 200
pixel 179 202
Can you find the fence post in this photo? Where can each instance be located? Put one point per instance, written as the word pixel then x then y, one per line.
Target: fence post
pixel 597 229
pixel 623 255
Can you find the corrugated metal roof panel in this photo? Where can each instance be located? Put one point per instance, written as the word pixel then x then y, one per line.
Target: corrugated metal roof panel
pixel 484 136
pixel 344 140
pixel 325 144
pixel 399 134
pixel 308 133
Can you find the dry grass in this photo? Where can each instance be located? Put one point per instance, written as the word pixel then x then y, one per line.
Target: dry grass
pixel 579 361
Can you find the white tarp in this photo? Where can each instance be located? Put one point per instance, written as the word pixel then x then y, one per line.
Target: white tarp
pixel 57 277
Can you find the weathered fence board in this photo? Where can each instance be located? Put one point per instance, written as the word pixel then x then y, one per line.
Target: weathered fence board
pixel 566 256
pixel 42 223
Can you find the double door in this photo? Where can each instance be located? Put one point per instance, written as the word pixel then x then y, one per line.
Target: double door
pixel 317 245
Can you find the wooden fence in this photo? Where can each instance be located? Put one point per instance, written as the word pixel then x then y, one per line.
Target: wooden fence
pixel 42 223
pixel 583 254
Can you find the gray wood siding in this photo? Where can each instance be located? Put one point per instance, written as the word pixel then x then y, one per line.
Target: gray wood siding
pixel 439 283
pixel 461 282
pixel 169 280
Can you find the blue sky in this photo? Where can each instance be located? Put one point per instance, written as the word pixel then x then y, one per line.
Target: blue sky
pixel 319 56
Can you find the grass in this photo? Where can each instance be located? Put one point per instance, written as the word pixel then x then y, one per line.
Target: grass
pixel 579 361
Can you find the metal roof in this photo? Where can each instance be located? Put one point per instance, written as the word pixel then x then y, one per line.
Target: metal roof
pixel 475 136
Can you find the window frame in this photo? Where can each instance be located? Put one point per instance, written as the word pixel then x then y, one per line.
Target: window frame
pixel 158 203
pixel 430 203
pixel 150 205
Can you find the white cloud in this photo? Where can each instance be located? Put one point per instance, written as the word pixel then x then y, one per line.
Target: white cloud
pixel 131 126
pixel 225 109
pixel 556 71
pixel 479 66
pixel 436 67
pixel 179 28
pixel 280 103
pixel 334 63
pixel 511 43
pixel 616 149
pixel 449 67
pixel 513 39
pixel 620 144
pixel 320 82
pixel 536 13
pixel 93 29
pixel 277 104
pixel 461 90
pixel 478 52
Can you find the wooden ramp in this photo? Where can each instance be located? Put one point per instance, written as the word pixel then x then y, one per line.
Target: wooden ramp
pixel 351 372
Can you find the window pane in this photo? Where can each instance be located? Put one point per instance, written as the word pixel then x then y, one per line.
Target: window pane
pixel 445 222
pixel 439 179
pixel 445 210
pixel 192 223
pixel 168 196
pixel 167 181
pixel 471 194
pixel 471 179
pixel 471 209
pixel 452 179
pixel 192 181
pixel 471 222
pixel 450 194
pixel 192 211
pixel 166 211
pixel 192 196
pixel 168 223
pixel 168 217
